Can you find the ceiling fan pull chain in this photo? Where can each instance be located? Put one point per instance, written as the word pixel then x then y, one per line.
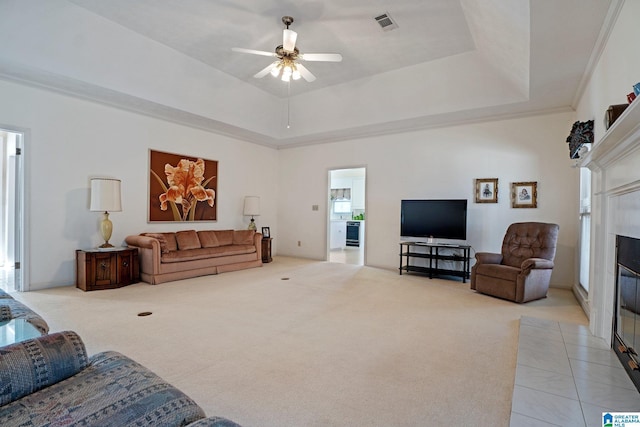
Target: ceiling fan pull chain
pixel 289 104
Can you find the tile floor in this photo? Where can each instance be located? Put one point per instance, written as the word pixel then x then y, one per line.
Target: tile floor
pixel 348 255
pixel 567 377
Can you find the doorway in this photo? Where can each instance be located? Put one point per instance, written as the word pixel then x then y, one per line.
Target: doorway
pixel 11 210
pixel 346 216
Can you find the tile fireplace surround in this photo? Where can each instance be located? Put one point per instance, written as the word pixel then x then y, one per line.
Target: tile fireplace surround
pixel 615 203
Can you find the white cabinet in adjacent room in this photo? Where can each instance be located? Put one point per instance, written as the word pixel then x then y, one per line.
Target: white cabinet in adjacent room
pixel 357 193
pixel 338 237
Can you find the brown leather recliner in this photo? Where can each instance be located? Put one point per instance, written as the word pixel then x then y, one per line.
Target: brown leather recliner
pixel 521 273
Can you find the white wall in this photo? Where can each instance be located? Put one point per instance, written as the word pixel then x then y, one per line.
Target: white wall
pixel 71 140
pixel 617 71
pixel 439 163
pixel 615 194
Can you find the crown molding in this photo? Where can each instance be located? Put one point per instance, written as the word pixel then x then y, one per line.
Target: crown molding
pixel 601 43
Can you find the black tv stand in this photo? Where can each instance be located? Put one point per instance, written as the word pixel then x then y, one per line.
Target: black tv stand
pixel 461 254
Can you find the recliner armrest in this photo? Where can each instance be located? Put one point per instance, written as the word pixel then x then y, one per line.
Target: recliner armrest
pixel 488 258
pixel 536 263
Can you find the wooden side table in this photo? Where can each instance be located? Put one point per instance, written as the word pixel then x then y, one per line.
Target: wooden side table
pixel 266 249
pixel 98 269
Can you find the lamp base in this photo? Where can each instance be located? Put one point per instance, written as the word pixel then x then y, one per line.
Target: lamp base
pixel 252 224
pixel 106 227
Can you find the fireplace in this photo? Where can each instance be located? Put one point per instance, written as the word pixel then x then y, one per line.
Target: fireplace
pixel 626 328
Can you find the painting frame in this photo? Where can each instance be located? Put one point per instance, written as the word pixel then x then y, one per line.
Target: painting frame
pixel 266 233
pixel 524 194
pixel 486 190
pixel 182 188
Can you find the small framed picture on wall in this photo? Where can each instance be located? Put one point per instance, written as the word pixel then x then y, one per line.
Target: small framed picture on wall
pixel 487 190
pixel 524 194
pixel 266 233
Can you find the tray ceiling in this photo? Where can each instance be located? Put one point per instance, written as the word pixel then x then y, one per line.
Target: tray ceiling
pixel 447 62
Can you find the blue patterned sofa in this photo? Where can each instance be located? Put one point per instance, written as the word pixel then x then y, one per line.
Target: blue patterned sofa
pixel 50 381
pixel 12 309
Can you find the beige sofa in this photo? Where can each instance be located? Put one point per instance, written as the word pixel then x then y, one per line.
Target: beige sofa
pixel 165 257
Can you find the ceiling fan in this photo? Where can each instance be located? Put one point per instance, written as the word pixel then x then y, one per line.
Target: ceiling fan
pixel 287 67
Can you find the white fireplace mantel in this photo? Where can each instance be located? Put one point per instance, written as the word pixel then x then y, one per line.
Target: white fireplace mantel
pixel 615 209
pixel 619 140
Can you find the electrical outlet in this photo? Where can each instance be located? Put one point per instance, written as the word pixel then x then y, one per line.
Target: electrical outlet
pixel 299 243
pixel 314 207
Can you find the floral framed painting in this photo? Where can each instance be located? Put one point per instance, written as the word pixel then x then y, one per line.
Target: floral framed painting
pixel 524 194
pixel 182 188
pixel 487 190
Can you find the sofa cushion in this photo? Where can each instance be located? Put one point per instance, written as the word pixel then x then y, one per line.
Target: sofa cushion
pixel 187 239
pixel 112 391
pixel 498 271
pixel 225 237
pixel 208 239
pixel 243 237
pixel 164 248
pixel 204 253
pixel 31 365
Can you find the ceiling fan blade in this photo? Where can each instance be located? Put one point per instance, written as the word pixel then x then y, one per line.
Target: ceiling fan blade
pixel 253 52
pixel 328 57
pixel 289 40
pixel 260 74
pixel 306 74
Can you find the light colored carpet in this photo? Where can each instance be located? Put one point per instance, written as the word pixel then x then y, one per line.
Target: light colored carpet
pixel 335 345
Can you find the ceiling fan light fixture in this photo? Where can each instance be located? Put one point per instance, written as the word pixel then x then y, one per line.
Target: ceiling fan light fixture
pixel 289 40
pixel 295 75
pixel 276 70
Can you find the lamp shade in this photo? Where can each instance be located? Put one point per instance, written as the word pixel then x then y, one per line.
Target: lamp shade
pixel 105 195
pixel 252 206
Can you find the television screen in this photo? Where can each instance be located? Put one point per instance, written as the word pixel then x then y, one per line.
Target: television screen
pixel 440 219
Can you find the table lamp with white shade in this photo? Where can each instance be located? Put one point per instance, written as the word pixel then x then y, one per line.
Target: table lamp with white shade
pixel 105 197
pixel 252 208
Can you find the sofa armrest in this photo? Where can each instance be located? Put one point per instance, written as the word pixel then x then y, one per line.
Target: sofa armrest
pixel 32 365
pixel 149 251
pixel 257 241
pixel 143 242
pixel 5 313
pixel 537 264
pixel 488 258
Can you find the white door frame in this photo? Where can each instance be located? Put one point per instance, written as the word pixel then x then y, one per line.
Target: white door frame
pixel 328 212
pixel 21 208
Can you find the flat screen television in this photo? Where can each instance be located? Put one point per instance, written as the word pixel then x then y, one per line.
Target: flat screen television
pixel 440 219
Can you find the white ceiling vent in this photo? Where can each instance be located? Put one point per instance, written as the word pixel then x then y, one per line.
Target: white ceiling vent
pixel 386 22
